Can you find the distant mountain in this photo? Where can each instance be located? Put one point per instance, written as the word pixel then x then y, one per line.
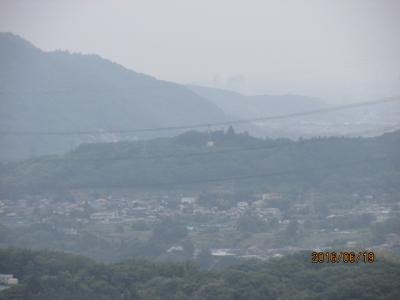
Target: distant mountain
pixel 364 120
pixel 237 104
pixel 60 91
pixel 260 106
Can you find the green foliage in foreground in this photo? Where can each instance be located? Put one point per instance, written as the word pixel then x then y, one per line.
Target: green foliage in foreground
pixel 52 275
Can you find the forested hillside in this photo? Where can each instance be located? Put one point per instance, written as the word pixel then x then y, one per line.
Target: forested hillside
pixel 340 164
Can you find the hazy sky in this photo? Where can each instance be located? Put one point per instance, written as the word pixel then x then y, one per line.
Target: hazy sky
pixel 331 48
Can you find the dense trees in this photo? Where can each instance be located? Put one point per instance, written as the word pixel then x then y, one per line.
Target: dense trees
pixel 336 164
pixel 50 275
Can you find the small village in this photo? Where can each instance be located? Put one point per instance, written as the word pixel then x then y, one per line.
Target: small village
pixel 223 227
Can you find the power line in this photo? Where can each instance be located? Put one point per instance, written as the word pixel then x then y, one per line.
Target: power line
pixel 172 155
pixel 274 174
pixel 203 125
pixel 189 154
pixel 249 176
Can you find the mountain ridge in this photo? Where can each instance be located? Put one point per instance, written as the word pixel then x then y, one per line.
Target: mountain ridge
pixel 47 91
pixel 253 106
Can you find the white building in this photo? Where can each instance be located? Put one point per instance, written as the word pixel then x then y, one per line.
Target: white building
pixel 271 196
pixel 188 200
pixel 104 215
pixel 8 279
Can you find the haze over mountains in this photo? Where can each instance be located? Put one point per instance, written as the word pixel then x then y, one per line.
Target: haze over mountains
pixel 236 104
pixel 363 120
pixel 59 91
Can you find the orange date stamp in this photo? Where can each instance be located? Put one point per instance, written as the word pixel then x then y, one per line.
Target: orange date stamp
pixel 343 257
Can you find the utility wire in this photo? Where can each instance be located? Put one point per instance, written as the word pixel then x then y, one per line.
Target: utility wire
pixel 193 154
pixel 252 176
pixel 203 125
